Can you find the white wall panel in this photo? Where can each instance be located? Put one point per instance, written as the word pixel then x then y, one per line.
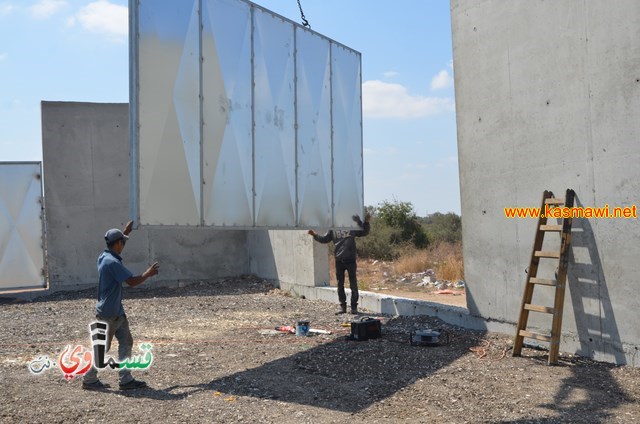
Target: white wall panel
pixel 227 113
pixel 347 135
pixel 249 134
pixel 274 91
pixel 169 112
pixel 313 69
pixel 21 226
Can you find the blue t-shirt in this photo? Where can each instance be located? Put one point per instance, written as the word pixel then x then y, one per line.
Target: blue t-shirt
pixel 111 274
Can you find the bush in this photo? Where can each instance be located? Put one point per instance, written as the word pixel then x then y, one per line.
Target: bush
pixel 378 244
pixel 441 227
pixel 401 217
pixel 396 231
pixel 394 226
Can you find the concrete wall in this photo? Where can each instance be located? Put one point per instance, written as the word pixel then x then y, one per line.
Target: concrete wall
pixel 290 257
pixel 86 184
pixel 548 97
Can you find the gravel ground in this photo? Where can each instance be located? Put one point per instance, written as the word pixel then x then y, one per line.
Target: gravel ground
pixel 216 360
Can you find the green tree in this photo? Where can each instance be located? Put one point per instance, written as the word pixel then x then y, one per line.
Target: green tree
pixel 402 217
pixel 395 214
pixel 443 227
pixel 395 225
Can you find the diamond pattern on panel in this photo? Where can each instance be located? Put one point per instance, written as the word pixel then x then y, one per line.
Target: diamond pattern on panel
pixel 279 127
pixel 227 108
pixel 167 130
pixel 186 102
pixel 274 121
pixel 347 130
pixel 21 253
pixel 314 130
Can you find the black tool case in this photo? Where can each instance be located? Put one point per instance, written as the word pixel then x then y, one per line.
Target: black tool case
pixel 366 328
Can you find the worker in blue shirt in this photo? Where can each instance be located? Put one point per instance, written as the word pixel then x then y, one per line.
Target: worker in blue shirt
pixel 111 274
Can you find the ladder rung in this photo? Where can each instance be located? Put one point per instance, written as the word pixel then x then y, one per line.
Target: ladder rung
pixel 537 336
pixel 538 308
pixel 548 201
pixel 546 254
pixel 551 228
pixel 534 280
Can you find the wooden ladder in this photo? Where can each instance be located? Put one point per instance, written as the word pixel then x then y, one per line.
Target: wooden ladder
pixel 548 200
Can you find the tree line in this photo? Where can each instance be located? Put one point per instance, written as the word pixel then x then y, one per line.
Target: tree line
pixel 395 227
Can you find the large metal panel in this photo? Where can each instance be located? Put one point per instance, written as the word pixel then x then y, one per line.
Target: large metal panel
pixel 247 136
pixel 347 135
pixel 313 69
pixel 227 113
pixel 169 112
pixel 274 120
pixel 21 226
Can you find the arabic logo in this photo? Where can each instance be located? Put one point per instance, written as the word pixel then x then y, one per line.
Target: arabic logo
pixel 40 364
pixel 77 361
pixel 99 331
pixel 78 356
pixel 143 361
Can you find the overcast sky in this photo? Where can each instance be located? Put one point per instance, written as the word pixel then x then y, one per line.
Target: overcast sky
pixel 77 50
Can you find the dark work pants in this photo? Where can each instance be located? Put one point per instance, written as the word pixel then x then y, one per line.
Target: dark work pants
pixel 351 268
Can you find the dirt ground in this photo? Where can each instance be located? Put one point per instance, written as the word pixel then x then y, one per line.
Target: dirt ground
pixel 216 358
pixel 379 277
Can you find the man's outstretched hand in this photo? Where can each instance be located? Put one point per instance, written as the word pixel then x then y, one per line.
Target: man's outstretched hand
pixel 127 228
pixel 151 271
pixel 357 219
pixel 311 233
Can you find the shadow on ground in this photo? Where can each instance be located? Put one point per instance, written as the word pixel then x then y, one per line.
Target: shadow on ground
pixel 593 384
pixel 342 375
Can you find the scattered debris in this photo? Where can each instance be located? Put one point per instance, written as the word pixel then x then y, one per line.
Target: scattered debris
pixel 319 331
pixel 211 365
pixel 290 329
pixel 269 332
pixel 446 291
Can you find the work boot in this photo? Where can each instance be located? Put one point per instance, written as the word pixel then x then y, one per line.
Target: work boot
pixel 343 309
pixel 354 309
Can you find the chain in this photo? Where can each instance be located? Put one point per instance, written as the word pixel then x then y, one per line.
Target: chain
pixel 305 23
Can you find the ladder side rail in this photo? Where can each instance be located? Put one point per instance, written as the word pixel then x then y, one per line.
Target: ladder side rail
pixel 532 272
pixel 556 326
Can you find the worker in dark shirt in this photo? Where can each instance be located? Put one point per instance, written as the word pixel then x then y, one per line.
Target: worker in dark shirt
pixel 344 243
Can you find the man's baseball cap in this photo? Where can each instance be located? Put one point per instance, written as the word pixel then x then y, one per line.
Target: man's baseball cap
pixel 114 235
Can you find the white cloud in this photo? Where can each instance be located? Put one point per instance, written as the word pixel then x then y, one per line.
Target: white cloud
pixel 103 17
pixel 45 8
pixel 5 8
pixel 442 80
pixel 390 74
pixel 386 100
